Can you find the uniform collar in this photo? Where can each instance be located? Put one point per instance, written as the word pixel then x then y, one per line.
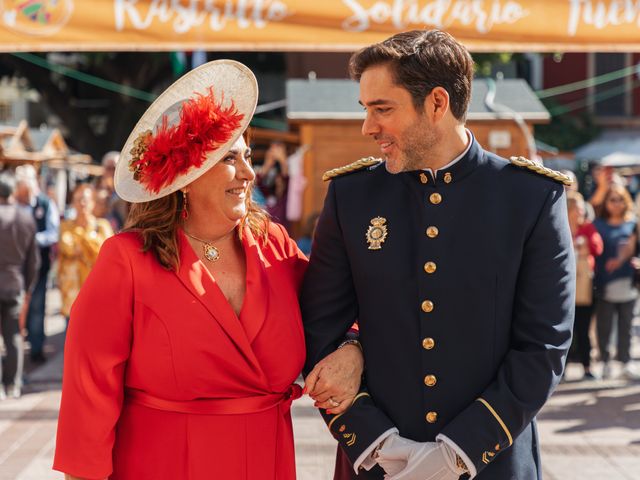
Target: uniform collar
pixel 456 169
pixel 470 139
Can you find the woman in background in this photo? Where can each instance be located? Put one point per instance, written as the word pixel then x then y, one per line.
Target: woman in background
pixel 80 242
pixel 614 277
pixel 587 244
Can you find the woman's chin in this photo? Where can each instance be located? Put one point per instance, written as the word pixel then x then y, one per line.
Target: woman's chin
pixel 238 213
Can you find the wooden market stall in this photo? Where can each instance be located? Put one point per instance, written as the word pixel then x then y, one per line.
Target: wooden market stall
pixel 48 152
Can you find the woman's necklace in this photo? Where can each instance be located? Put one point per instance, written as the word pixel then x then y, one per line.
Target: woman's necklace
pixel 211 253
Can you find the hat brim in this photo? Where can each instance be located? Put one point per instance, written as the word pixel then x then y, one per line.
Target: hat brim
pixel 231 82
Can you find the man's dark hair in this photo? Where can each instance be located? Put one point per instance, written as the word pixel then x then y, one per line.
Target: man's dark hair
pixel 7 184
pixel 421 60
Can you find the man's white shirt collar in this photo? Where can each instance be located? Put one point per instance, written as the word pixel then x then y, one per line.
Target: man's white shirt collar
pixel 458 158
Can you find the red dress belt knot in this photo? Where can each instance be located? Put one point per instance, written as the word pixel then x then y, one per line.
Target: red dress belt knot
pixel 217 406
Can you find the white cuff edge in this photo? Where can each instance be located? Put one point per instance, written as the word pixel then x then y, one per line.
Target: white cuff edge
pixel 365 459
pixel 467 461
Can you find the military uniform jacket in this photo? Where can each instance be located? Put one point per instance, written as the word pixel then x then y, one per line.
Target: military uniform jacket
pixel 465 310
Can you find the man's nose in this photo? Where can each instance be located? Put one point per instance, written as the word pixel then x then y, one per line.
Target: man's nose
pixel 369 126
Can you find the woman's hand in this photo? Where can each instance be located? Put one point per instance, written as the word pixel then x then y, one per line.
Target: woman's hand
pixel 335 380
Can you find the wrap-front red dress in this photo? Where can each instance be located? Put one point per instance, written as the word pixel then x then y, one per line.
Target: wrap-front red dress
pixel 163 381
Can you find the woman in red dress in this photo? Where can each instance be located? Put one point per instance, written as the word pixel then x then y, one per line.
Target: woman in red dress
pixel 185 341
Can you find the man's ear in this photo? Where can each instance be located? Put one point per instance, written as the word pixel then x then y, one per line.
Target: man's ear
pixel 436 104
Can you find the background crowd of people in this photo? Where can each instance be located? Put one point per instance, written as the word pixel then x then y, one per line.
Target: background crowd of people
pixel 605 234
pixel 65 245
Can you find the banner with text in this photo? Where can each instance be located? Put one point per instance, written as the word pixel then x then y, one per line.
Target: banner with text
pixel 327 25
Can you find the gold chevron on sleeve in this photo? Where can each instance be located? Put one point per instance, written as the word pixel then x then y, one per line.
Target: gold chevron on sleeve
pixel 350 438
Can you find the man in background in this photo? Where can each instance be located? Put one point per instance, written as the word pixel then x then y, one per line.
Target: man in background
pixel 45 213
pixel 19 259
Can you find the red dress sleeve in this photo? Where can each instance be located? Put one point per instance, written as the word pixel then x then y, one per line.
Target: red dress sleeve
pixel 97 347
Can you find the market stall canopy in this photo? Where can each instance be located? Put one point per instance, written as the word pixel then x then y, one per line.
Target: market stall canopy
pixel 615 148
pixel 337 99
pixel 328 25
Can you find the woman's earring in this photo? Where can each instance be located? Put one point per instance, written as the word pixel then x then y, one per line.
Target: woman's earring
pixel 185 212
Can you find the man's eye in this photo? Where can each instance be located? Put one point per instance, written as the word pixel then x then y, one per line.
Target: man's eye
pixel 383 110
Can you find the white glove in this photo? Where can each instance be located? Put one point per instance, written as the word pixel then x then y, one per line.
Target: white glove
pixel 404 459
pixel 392 454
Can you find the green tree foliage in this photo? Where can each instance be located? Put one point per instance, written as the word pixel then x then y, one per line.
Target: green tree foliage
pixel 487 63
pixel 96 120
pixel 568 131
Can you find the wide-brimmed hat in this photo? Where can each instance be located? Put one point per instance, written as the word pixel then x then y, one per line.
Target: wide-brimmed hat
pixel 186 130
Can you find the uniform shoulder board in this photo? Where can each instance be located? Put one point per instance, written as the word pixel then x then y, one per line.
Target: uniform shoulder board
pixel 541 170
pixel 352 167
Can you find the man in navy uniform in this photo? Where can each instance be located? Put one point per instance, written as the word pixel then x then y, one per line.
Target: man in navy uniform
pixel 458 267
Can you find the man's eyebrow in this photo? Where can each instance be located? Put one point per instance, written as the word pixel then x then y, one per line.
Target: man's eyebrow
pixel 379 101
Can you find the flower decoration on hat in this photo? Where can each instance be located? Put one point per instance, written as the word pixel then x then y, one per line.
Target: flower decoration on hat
pixel 157 160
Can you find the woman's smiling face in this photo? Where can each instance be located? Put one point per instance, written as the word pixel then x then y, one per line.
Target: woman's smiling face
pixel 224 188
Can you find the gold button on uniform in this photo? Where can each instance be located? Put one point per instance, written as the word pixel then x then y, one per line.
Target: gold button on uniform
pixel 447 177
pixel 427 306
pixel 435 198
pixel 432 232
pixel 430 380
pixel 428 343
pixel 432 417
pixel 429 267
pixel 424 178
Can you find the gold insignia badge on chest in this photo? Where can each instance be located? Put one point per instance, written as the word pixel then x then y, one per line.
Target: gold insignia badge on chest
pixel 377 233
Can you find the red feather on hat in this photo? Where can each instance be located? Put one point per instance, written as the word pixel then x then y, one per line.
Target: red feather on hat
pixel 203 127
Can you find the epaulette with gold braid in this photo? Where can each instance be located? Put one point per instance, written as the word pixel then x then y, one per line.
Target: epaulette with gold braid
pixel 541 170
pixel 352 167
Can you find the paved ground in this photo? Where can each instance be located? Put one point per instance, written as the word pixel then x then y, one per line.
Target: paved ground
pixel 589 430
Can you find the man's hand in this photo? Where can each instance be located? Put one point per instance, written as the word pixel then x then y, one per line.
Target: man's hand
pixel 404 459
pixel 335 380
